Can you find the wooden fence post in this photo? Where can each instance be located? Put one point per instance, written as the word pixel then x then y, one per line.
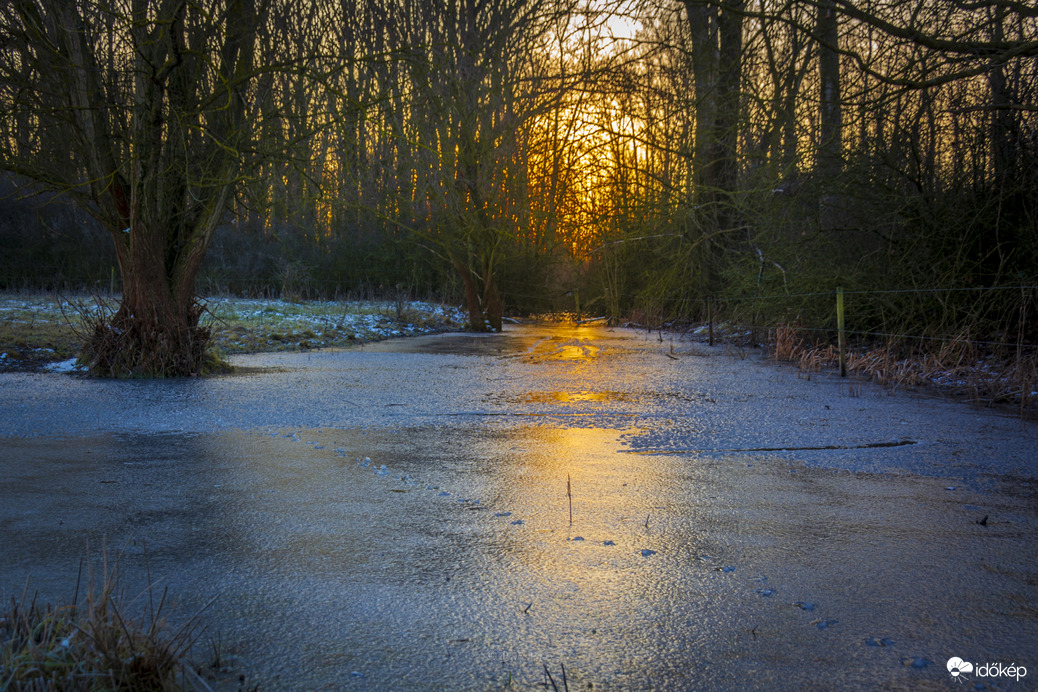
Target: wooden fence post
pixel 842 337
pixel 710 317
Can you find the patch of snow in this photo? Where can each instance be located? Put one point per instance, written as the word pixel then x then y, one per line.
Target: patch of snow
pixel 69 365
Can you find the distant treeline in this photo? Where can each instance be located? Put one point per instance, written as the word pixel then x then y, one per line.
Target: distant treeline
pixel 48 243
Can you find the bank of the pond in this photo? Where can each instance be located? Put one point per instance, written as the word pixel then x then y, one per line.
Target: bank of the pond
pixel 44 331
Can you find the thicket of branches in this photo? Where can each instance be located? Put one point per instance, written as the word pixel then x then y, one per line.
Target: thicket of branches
pixel 514 155
pixel 784 149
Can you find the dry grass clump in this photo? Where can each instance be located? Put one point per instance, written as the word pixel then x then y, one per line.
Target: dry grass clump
pixel 95 645
pixel 882 366
pixel 959 365
pixel 120 344
pixel 788 342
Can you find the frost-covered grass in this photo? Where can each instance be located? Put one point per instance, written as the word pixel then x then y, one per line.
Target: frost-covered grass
pixel 37 329
pixel 255 325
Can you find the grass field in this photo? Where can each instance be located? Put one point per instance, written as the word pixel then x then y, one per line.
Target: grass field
pixel 40 329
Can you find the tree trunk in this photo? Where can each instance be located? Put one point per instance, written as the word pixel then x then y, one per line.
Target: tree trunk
pixel 477 322
pixel 830 144
pixel 729 112
pixel 151 334
pixel 716 32
pixel 492 303
pixel 155 332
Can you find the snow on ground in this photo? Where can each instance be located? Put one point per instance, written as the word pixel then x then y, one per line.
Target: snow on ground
pixel 70 365
pixel 242 325
pixel 39 331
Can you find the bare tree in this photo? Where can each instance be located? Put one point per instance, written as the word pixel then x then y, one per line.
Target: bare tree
pixel 830 145
pixel 137 110
pixel 470 84
pixel 716 33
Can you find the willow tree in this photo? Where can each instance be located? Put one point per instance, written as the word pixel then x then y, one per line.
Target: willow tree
pixel 138 111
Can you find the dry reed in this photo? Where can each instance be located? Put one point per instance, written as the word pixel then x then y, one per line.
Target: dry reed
pixel 96 644
pixel 959 366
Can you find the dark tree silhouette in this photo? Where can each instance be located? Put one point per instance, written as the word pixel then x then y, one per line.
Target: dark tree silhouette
pixel 137 110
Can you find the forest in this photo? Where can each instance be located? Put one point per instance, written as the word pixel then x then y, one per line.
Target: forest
pixel 653 162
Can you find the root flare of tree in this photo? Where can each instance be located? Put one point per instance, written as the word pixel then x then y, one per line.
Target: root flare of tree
pixel 128 345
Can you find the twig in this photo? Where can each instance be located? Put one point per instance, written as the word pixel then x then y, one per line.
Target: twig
pixel 550 678
pixel 198 681
pixel 647 519
pixel 569 495
pixel 79 578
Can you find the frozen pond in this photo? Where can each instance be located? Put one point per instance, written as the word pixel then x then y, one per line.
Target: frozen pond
pixel 395 517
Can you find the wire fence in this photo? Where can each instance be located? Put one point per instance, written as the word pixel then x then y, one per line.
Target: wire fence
pixel 982 344
pixel 992 316
pixel 814 311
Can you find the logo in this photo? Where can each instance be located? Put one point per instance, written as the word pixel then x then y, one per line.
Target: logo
pixel 958 669
pixel 956 666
